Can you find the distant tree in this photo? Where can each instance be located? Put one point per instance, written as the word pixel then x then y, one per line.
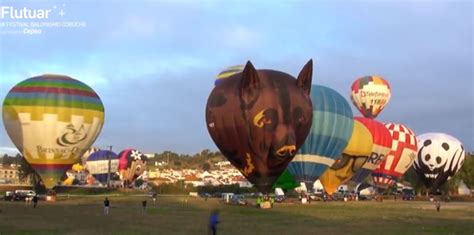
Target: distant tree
pixel 466 173
pixel 26 172
pixel 206 166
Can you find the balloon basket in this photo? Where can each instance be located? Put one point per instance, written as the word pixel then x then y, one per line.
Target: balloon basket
pixel 265 205
pixel 51 198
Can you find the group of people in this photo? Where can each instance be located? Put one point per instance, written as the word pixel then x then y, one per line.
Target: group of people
pixel 33 200
pixel 107 205
pixel 265 202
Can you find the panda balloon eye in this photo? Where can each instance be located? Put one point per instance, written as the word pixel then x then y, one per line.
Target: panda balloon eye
pixel 438 160
pixel 427 157
pixel 426 143
pixel 445 146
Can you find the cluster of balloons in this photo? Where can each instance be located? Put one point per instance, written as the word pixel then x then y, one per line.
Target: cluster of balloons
pixel 265 122
pixel 338 147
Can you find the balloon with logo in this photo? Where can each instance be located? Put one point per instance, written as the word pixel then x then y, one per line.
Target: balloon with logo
pixel 132 163
pixel 370 94
pixel 52 120
pixel 86 154
pixel 382 145
pixel 440 156
pixel 229 71
pixel 258 119
pixel 329 135
pixel 353 157
pixel 98 164
pixel 399 159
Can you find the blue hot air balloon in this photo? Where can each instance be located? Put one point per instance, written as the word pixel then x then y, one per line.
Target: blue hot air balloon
pixel 330 132
pixel 98 164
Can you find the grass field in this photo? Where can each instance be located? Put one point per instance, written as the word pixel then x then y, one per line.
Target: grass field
pixel 171 215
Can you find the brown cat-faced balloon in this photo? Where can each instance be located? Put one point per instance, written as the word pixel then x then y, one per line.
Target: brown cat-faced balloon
pixel 259 119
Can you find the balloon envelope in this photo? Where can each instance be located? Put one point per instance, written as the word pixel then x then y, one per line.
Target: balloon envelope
pixel 52 120
pixel 370 94
pixel 259 119
pixel 285 181
pixel 439 157
pixel 330 132
pixel 98 164
pixel 400 157
pixel 382 145
pixel 229 71
pixel 132 163
pixel 353 157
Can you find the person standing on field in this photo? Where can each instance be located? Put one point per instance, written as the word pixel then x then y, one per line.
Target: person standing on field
pixel 106 206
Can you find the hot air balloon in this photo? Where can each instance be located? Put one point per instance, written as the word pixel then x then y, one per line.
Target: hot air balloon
pixel 353 157
pixel 382 145
pixel 132 163
pixel 88 153
pixel 370 94
pixel 440 156
pixel 98 164
pixel 258 119
pixel 229 71
pixel 52 120
pixel 285 181
pixel 330 132
pixel 399 159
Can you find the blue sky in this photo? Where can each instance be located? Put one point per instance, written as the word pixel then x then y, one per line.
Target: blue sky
pixel 153 63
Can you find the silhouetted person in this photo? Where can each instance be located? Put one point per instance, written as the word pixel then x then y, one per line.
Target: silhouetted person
pixel 106 206
pixel 35 201
pixel 213 221
pixel 438 205
pixel 144 205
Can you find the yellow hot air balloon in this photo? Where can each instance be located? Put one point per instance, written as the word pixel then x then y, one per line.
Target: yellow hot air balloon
pixel 353 157
pixel 52 120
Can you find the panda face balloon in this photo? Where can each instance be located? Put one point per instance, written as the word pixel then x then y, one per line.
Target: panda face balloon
pixel 439 157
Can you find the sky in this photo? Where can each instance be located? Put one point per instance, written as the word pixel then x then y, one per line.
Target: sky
pixel 153 63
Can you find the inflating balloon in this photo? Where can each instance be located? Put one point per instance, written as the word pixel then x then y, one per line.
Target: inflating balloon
pixel 330 132
pixel 382 145
pixel 399 159
pixel 132 163
pixel 259 119
pixel 52 120
pixel 440 156
pixel 228 72
pixel 370 94
pixel 98 164
pixel 285 181
pixel 353 157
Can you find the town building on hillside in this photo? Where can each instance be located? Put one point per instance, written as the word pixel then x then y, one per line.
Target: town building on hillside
pixel 194 180
pixel 10 175
pixel 161 180
pixel 222 164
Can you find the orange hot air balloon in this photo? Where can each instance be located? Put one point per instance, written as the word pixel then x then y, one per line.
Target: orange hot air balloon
pixel 382 144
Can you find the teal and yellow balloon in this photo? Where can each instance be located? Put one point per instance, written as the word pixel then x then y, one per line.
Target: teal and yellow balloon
pixel 353 158
pixel 52 120
pixel 329 134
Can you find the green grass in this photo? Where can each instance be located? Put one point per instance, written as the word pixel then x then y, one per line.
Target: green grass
pixel 172 215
